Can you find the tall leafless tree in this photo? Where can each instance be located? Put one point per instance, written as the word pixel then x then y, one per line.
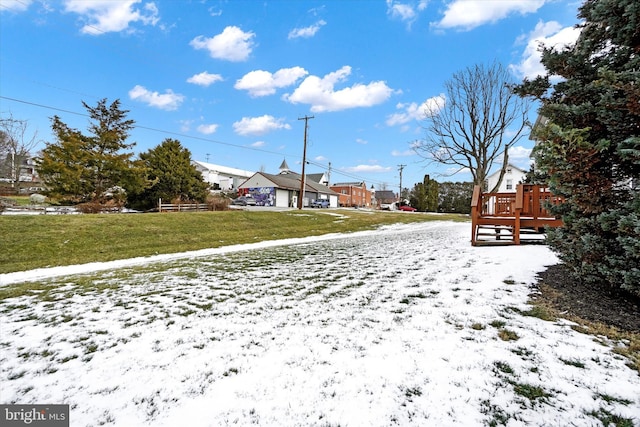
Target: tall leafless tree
pixel 16 143
pixel 476 122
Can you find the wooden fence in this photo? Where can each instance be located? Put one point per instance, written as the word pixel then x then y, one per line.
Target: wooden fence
pixel 182 207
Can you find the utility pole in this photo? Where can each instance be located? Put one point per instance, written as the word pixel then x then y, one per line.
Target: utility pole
pixel 400 167
pixel 304 159
pixel 329 175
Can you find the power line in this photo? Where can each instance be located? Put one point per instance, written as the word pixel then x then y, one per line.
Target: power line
pixel 198 138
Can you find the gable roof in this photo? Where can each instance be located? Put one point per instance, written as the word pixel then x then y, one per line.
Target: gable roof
pixel 509 165
pixel 315 177
pixel 385 195
pixel 291 181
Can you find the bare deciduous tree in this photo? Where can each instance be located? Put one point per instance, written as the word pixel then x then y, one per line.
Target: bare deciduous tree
pixel 16 143
pixel 478 121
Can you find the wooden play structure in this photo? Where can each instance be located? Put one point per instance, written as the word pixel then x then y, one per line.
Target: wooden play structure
pixel 512 218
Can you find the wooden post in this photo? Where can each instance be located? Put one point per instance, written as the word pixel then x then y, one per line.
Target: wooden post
pixel 475 205
pixel 518 210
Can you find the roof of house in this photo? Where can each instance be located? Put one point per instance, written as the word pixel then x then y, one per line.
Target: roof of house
pixel 349 184
pixel 315 177
pixel 509 165
pixel 385 195
pixel 291 181
pixel 223 169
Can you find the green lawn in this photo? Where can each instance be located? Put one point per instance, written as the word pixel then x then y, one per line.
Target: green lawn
pixel 29 242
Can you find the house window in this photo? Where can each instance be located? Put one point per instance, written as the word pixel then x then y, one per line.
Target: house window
pixel 509 184
pixel 509 171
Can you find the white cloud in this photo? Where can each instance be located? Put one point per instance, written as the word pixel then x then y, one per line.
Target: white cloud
pixel 414 111
pixel 549 34
pixel 185 125
pixel 258 144
pixel 207 129
pixel 232 44
pixel 469 14
pixel 402 11
pixel 405 153
pixel 368 168
pixel 263 83
pixel 519 152
pixel 320 158
pixel 15 5
pixel 322 96
pixel 168 101
pixel 362 141
pixel 259 125
pixel 204 79
pixel 307 32
pixel 104 16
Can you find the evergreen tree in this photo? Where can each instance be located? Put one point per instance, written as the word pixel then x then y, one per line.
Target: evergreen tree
pixel 590 146
pixel 81 168
pixel 173 177
pixel 455 197
pixel 424 195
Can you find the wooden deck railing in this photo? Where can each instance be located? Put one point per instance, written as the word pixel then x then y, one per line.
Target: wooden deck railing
pixel 512 212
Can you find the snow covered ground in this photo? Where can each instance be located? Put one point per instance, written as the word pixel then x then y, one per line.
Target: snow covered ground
pixel 408 325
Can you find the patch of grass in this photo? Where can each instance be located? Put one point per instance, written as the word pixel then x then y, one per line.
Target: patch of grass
pixel 573 362
pixel 530 392
pixel 523 352
pixel 611 399
pixel 498 415
pixel 34 241
pixel 16 375
pixel 504 368
pixel 609 419
pixel 498 323
pixel 478 326
pixel 507 335
pixel 537 311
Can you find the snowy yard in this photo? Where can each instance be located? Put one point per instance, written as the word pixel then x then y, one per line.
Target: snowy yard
pixel 408 325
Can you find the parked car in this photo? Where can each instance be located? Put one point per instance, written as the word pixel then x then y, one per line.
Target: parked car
pixel 320 203
pixel 407 208
pixel 244 201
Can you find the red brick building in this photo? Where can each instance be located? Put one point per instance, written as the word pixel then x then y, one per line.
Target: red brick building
pixel 353 194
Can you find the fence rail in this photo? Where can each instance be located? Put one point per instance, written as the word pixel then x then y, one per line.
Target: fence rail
pixel 182 207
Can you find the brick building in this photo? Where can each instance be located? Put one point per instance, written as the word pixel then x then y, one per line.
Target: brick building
pixel 353 194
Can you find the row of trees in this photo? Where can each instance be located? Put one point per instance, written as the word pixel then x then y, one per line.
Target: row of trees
pixel 99 168
pixel 432 196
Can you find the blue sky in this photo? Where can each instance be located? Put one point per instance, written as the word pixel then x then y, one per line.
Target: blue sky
pixel 231 79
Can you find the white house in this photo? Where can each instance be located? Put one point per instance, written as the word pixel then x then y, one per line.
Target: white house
pixel 512 177
pixel 221 177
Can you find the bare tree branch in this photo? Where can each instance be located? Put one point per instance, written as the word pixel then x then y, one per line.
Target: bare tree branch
pixel 479 121
pixel 15 146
